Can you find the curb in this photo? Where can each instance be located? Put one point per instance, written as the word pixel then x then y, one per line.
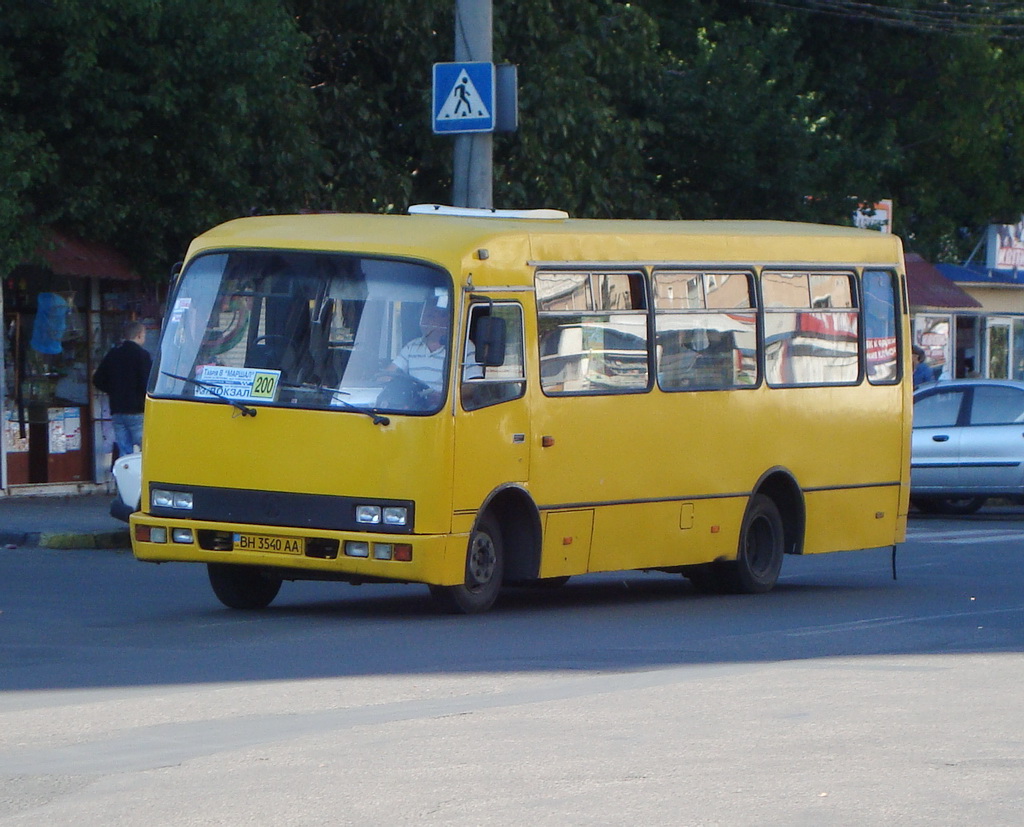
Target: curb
pixel 113 540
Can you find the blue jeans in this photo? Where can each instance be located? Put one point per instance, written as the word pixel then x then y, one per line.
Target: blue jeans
pixel 127 432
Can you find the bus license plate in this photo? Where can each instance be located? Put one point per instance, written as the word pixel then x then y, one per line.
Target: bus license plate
pixel 263 542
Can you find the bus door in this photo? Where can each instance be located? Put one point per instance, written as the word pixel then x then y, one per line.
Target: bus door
pixel 492 437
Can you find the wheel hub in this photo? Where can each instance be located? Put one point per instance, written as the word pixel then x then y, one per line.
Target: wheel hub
pixel 482 560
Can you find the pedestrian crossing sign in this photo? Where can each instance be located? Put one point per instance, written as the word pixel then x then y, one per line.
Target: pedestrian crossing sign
pixel 463 97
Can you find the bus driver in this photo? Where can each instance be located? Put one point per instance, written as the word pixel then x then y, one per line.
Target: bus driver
pixel 423 358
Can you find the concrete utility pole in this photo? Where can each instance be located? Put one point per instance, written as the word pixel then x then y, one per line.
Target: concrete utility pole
pixel 473 168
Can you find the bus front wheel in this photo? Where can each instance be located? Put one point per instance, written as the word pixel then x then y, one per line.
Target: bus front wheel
pixel 761 547
pixel 242 587
pixel 485 565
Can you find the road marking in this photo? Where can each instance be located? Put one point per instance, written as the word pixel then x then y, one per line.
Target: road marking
pixel 899 620
pixel 959 537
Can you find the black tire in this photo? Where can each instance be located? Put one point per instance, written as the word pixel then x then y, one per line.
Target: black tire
pixel 704 578
pixel 761 548
pixel 959 506
pixel 243 587
pixel 485 566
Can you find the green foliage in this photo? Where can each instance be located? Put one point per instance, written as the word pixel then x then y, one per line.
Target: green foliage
pixel 745 134
pixel 22 160
pixel 933 114
pixel 584 71
pixel 142 122
pixel 158 118
pixel 369 66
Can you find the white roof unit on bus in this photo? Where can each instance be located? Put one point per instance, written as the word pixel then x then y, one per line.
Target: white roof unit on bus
pixel 480 212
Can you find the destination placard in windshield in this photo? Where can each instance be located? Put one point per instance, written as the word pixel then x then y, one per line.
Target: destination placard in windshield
pixel 237 384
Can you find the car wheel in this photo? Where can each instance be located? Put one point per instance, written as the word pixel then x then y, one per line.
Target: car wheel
pixel 948 505
pixel 961 505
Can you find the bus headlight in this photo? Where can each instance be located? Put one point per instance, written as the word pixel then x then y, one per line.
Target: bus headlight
pixel 162 498
pixel 396 515
pixel 368 514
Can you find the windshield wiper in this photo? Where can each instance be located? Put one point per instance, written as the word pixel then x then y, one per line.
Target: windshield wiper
pixel 214 391
pixel 378 419
pixel 335 395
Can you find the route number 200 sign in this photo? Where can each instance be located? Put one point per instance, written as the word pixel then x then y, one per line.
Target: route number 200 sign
pixel 239 384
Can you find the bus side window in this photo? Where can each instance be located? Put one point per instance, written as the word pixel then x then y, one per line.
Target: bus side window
pixel 592 332
pixel 484 386
pixel 706 330
pixel 881 308
pixel 812 328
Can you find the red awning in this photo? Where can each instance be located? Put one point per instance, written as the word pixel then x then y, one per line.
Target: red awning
pixel 68 256
pixel 929 288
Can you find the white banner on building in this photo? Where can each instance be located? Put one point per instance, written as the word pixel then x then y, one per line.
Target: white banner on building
pixel 877 216
pixel 1006 246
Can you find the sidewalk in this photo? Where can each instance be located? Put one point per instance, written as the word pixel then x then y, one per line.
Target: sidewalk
pixel 78 521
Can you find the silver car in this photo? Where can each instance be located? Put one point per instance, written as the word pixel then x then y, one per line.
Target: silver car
pixel 968 444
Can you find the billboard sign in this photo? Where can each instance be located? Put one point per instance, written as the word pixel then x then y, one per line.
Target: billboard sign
pixel 1006 246
pixel 877 216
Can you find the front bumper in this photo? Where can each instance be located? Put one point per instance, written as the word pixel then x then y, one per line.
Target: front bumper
pixel 437 559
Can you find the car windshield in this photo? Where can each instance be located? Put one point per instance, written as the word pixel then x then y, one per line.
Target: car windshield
pixel 307 330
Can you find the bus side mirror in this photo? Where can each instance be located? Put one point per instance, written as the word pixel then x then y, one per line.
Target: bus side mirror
pixel 490 341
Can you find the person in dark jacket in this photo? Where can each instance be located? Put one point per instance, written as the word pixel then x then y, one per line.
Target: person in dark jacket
pixel 922 373
pixel 123 375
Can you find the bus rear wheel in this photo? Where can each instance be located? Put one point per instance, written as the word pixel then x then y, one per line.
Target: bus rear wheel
pixel 242 587
pixel 759 555
pixel 485 566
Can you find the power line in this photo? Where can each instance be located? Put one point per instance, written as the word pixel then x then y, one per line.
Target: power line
pixel 995 20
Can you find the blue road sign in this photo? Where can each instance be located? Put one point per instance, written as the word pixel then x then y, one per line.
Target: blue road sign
pixel 463 97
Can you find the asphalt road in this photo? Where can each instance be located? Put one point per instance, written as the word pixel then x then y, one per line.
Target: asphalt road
pixel 128 695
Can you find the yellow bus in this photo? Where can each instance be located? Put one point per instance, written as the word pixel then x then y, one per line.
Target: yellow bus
pixel 471 399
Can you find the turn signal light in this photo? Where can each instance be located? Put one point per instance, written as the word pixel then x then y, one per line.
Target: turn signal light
pixel 150 534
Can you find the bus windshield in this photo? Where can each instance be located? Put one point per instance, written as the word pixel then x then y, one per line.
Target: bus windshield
pixel 308 330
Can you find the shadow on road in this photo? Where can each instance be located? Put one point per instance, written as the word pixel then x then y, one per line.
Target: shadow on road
pixel 87 619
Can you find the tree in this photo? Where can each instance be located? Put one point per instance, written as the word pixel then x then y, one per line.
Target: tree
pixel 931 97
pixel 626 109
pixel 745 134
pixel 585 124
pixel 22 160
pixel 151 121
pixel 582 65
pixel 369 66
pixel 141 123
